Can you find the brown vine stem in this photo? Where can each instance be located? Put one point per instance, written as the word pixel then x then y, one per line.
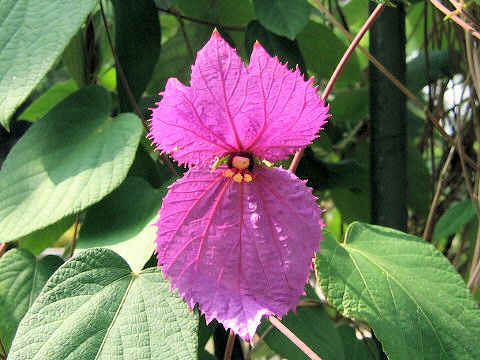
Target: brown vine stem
pixel 371 19
pixel 3 355
pixel 451 15
pixel 441 178
pixel 124 82
pixel 3 247
pixel 293 338
pixel 398 84
pixel 229 346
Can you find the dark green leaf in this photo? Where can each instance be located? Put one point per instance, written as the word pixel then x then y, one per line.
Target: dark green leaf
pixel 45 102
pixel 419 182
pixel 65 162
pixel 322 50
pixel 441 64
pixel 74 59
pixel 33 33
pixel 314 327
pixel 123 222
pixel 22 277
pixel 286 50
pixel 283 17
pixel 41 239
pixel 454 219
pixel 137 43
pixel 408 292
pixel 350 106
pixel 178 56
pixel 357 349
pixel 95 307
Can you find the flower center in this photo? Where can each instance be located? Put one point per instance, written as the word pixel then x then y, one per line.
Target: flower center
pixel 240 166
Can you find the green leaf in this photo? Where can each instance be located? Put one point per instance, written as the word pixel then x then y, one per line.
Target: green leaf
pixel 408 292
pixel 440 65
pixel 94 307
pixel 314 327
pixel 283 17
pixel 123 222
pixel 74 58
pixel 178 55
pixel 357 349
pixel 45 102
pixel 286 50
pixel 41 239
pixel 137 43
pixel 65 162
pixel 322 50
pixel 419 182
pixel 350 106
pixel 22 277
pixel 454 219
pixel 33 33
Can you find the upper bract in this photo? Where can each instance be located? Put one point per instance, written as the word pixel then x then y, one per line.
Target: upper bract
pixel 264 109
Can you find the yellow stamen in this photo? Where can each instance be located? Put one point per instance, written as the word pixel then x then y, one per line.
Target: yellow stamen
pixel 228 173
pixel 247 178
pixel 238 178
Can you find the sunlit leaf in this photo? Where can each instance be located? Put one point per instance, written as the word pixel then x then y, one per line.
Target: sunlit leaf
pixel 95 307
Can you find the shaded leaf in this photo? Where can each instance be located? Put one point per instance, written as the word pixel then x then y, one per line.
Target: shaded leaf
pixel 454 219
pixel 408 292
pixel 33 33
pixel 440 65
pixel 286 50
pixel 45 102
pixel 322 50
pixel 357 349
pixel 137 43
pixel 22 277
pixel 122 222
pixel 94 307
pixel 74 59
pixel 283 17
pixel 314 327
pixel 41 239
pixel 66 161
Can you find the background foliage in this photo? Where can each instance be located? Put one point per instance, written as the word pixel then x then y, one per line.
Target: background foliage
pixel 80 182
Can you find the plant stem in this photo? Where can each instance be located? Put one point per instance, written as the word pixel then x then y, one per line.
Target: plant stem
pixel 3 247
pixel 455 18
pixel 411 96
pixel 371 19
pixel 229 347
pixel 75 235
pixel 441 178
pixel 293 338
pixel 123 80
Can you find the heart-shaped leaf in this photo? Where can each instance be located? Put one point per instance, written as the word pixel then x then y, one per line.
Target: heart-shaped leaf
pixel 95 307
pixel 408 292
pixel 22 277
pixel 66 161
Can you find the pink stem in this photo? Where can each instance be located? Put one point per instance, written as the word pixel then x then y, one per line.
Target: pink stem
pixel 229 347
pixel 293 338
pixel 3 246
pixel 373 16
pixel 455 18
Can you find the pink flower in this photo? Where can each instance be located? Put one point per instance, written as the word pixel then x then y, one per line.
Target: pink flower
pixel 238 240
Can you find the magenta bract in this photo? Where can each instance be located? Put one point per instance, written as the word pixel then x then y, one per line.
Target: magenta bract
pixel 238 241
